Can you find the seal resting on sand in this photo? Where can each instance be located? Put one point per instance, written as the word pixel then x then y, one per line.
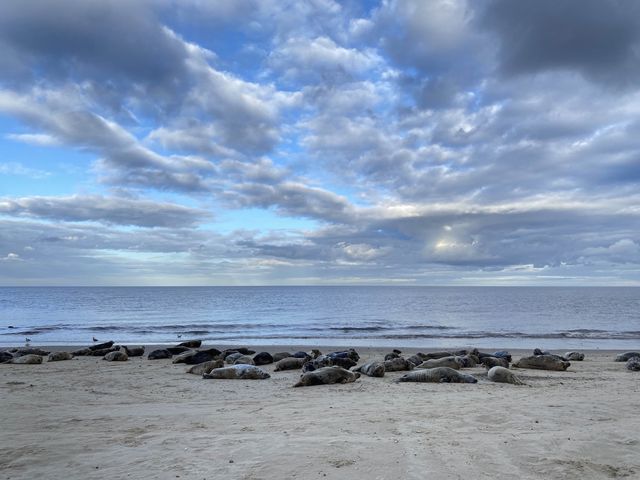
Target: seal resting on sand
pixel 451 362
pixel 542 362
pixel 237 372
pixel 59 356
pixel 133 351
pixel 206 367
pixel 244 360
pixel 316 363
pixel 416 359
pixel 280 355
pixel 490 362
pixel 623 357
pixel 633 364
pixel 262 358
pixel 116 357
pixel 371 369
pixel 327 376
pixel 574 356
pixel 159 354
pixel 290 363
pixel 191 343
pixel 5 357
pixel 503 375
pixel 29 359
pixel 397 365
pixel 437 375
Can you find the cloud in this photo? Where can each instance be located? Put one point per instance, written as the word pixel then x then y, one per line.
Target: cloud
pixel 96 208
pixel 599 39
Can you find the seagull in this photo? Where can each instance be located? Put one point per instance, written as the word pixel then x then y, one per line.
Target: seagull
pixel 179 335
pixel 95 339
pixel 27 340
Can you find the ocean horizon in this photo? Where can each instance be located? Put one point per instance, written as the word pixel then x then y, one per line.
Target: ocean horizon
pixel 379 316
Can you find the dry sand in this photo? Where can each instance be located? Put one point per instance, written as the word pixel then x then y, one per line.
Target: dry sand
pixel 90 419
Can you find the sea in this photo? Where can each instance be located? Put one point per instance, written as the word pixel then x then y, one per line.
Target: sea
pixel 394 316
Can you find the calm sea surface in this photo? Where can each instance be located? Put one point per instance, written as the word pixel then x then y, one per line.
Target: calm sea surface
pixel 346 316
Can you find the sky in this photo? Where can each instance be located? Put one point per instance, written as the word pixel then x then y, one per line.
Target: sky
pixel 277 142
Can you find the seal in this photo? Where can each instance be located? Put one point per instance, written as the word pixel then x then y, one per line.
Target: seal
pixel 434 355
pixel 262 358
pixel 345 363
pixel 116 357
pixel 542 362
pixel 244 360
pixel 503 375
pixel 59 356
pixel 438 375
pixel 290 363
pixel 490 362
pixel 280 355
pixel 397 365
pixel 103 351
pixel 633 364
pixel 133 351
pixel 451 362
pixel 206 367
pixel 574 356
pixel 415 359
pixel 371 369
pixel 29 359
pixel 182 357
pixel 101 346
pixel 327 376
pixel 5 357
pixel 19 352
pixel 315 364
pixel 391 356
pixel 232 357
pixel 623 357
pixel 304 355
pixel 351 353
pixel 178 350
pixel 243 350
pixel 468 360
pixel 159 354
pixel 191 343
pixel 237 372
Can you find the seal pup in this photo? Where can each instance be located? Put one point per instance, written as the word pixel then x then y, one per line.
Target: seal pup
pixel 490 362
pixel 633 364
pixel 237 372
pixel 59 356
pixel 623 357
pixel 159 354
pixel 397 365
pixel 206 367
pixel 437 375
pixel 371 369
pixel 451 362
pixel 503 375
pixel 542 362
pixel 118 356
pixel 29 359
pixel 327 376
pixel 290 363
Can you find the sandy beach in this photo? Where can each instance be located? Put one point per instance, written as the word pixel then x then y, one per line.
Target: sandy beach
pixel 87 418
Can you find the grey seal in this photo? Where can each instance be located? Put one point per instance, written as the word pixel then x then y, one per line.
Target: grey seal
pixel 59 356
pixel 327 376
pixel 191 343
pixel 371 369
pixel 237 372
pixel 503 375
pixel 351 353
pixel 623 357
pixel 232 357
pixel 542 362
pixel 101 346
pixel 397 365
pixel 574 356
pixel 29 359
pixel 206 367
pixel 5 357
pixel 244 360
pixel 159 354
pixel 316 363
pixel 280 355
pixel 19 352
pixel 118 356
pixel 451 362
pixel 416 359
pixel 490 362
pixel 433 355
pixel 437 375
pixel 262 358
pixel 133 351
pixel 633 364
pixel 290 363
